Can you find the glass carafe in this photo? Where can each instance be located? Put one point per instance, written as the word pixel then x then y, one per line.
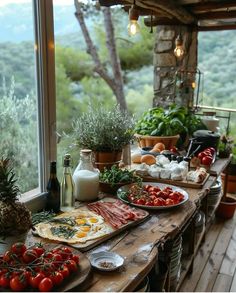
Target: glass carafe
pixel 86 178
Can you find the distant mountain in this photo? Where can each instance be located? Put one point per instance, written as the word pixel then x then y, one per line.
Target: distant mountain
pixel 17 25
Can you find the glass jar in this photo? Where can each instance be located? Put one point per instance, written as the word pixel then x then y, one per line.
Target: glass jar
pixel 86 178
pixel 210 120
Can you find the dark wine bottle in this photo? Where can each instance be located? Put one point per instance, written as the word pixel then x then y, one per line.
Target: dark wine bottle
pixel 53 190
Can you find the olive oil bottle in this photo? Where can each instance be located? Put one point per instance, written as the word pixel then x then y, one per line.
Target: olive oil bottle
pixel 67 186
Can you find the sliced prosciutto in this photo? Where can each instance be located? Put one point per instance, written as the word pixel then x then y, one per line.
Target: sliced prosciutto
pixel 116 213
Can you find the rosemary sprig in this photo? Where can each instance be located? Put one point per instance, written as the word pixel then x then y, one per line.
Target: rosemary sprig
pixel 67 221
pixel 63 231
pixel 43 216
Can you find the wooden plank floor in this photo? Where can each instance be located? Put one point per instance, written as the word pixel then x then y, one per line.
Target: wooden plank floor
pixel 215 263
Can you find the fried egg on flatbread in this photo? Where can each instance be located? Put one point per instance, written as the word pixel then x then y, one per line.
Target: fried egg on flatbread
pixel 77 226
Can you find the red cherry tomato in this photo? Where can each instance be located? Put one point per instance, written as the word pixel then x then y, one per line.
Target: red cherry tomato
pixel 18 283
pixel 65 252
pixel 207 160
pixel 57 278
pixel 174 149
pixel 7 257
pixel 38 248
pixel 169 202
pixel 140 201
pixel 29 256
pixel 35 280
pixel 45 285
pixel 201 155
pixel 65 271
pixel 75 258
pixel 212 150
pixel 18 248
pixel 5 281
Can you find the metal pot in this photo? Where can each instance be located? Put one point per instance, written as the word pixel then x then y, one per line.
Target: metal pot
pixel 206 139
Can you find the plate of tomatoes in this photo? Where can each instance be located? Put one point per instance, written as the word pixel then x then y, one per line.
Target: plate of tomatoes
pixel 155 196
pixel 42 268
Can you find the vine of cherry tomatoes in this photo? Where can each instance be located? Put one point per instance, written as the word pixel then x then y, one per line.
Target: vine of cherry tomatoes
pixel 22 268
pixel 154 196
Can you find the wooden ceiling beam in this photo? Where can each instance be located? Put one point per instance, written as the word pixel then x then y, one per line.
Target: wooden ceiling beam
pixel 217 15
pixel 213 5
pixel 113 2
pixel 169 7
pixel 146 12
pixel 160 21
pixel 216 28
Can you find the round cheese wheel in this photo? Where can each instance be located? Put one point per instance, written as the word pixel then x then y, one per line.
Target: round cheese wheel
pixel 148 159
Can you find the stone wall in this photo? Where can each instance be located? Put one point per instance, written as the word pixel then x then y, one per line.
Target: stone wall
pixel 173 78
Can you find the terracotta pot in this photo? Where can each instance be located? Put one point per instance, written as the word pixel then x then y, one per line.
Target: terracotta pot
pixel 107 159
pixel 226 208
pixel 111 188
pixel 231 185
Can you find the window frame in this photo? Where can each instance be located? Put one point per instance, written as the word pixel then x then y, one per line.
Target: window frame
pixel 46 98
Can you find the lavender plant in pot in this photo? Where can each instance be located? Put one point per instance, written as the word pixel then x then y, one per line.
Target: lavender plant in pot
pixel 106 132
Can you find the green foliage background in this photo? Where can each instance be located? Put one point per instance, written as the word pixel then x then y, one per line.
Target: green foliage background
pixel 77 86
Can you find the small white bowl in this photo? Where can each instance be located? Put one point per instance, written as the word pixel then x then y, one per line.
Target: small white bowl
pixel 106 260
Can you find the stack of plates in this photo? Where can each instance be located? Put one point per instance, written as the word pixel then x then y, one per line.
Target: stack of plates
pixel 175 262
pixel 214 193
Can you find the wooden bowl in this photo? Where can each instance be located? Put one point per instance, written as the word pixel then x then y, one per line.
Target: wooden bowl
pixel 149 141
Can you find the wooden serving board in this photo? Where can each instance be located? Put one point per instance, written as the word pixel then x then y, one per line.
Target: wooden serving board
pixel 92 243
pixel 78 277
pixel 182 183
pixel 74 279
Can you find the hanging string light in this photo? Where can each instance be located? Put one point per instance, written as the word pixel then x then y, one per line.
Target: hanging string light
pixel 133 26
pixel 179 48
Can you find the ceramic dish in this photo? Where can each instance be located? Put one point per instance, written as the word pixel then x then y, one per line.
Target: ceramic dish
pixel 122 196
pixel 106 261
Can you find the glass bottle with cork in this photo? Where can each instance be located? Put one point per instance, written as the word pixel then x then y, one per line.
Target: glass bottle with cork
pixel 67 186
pixel 86 177
pixel 53 190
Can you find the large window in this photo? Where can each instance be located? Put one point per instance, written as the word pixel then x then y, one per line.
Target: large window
pixel 18 92
pixel 27 114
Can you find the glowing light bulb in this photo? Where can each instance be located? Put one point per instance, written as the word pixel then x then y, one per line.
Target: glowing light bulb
pixel 179 51
pixel 133 27
pixel 179 48
pixel 193 85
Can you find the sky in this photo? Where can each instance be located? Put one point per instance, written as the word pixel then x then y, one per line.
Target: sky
pixel 55 2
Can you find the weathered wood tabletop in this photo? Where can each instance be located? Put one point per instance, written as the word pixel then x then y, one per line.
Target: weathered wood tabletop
pixel 139 245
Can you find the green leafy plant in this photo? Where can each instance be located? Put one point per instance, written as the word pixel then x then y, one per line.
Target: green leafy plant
pixel 117 175
pixel 226 147
pixel 100 129
pixel 167 122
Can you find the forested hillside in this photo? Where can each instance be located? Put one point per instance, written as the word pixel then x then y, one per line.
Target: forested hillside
pixel 217 62
pixel 76 83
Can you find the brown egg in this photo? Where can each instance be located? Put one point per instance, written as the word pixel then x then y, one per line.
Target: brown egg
pixel 159 146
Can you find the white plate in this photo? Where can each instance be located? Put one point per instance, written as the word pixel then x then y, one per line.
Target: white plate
pixel 106 260
pixel 125 188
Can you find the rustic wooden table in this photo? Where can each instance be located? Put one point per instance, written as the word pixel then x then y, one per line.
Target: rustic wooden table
pixel 139 245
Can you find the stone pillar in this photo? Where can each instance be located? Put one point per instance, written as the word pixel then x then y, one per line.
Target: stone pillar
pixel 173 77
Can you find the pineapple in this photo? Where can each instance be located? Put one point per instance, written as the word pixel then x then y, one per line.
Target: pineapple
pixel 15 218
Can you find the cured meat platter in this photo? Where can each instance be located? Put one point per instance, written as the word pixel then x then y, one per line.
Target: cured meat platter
pixel 107 200
pixel 91 224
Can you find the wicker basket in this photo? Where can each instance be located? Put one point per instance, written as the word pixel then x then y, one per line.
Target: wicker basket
pixel 150 141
